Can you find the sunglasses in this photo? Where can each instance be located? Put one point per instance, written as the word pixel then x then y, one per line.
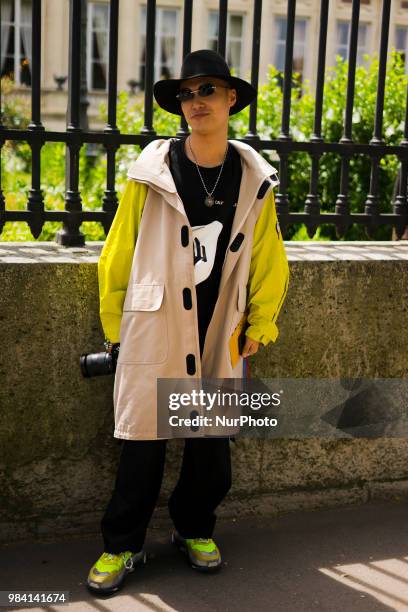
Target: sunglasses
pixel 205 90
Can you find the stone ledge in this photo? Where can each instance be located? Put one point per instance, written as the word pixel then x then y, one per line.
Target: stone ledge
pixel 51 252
pixel 342 250
pixel 48 252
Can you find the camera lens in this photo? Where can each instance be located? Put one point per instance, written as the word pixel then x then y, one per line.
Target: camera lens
pixel 96 364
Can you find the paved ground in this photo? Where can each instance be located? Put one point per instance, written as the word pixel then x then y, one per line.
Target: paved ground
pixel 347 559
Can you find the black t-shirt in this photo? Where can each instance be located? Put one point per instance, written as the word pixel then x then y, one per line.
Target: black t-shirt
pixel 211 225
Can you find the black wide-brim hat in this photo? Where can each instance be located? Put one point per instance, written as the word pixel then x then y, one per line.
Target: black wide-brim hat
pixel 198 64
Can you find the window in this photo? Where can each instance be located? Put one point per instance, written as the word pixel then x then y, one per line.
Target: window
pixel 16 40
pixel 299 45
pixel 343 37
pixel 401 43
pixel 235 35
pixel 97 46
pixel 166 43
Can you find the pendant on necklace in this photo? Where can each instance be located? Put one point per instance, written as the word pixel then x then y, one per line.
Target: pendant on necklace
pixel 209 201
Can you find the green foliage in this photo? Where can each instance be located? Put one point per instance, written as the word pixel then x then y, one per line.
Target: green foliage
pixel 16 162
pixel 16 109
pixel 333 113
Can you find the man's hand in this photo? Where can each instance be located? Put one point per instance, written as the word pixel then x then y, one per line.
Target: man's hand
pixel 250 347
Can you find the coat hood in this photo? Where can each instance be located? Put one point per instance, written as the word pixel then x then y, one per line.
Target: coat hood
pixel 152 165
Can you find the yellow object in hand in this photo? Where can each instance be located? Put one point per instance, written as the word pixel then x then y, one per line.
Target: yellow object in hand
pixel 234 341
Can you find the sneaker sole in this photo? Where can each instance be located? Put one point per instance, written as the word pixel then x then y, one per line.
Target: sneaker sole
pixel 201 568
pixel 117 587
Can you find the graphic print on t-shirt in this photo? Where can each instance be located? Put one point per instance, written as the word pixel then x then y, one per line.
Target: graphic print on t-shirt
pixel 205 238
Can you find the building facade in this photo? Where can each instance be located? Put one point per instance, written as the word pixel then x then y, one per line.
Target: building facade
pixel 16 43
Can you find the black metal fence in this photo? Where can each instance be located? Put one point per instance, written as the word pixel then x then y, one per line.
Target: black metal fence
pixel 111 138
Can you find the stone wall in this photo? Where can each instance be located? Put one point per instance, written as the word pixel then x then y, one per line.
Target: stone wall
pixel 345 315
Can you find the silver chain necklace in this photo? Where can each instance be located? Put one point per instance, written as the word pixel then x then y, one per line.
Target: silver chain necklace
pixel 209 200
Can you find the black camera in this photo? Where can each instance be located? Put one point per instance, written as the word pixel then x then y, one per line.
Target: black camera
pixel 100 364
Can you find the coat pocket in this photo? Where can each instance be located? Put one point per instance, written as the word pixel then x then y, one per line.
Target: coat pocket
pixel 240 307
pixel 143 297
pixel 143 330
pixel 242 297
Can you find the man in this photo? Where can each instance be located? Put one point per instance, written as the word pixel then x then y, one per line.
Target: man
pixel 209 254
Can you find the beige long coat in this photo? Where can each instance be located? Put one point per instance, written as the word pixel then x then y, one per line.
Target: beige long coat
pixel 158 334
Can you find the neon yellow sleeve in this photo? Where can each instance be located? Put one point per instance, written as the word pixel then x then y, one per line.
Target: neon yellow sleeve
pixel 115 261
pixel 268 275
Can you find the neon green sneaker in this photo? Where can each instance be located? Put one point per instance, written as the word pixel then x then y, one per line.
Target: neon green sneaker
pixel 203 553
pixel 108 573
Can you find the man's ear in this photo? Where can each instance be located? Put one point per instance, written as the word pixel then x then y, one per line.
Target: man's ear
pixel 233 97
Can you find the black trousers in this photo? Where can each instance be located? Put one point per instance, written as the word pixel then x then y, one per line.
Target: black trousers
pixel 205 479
